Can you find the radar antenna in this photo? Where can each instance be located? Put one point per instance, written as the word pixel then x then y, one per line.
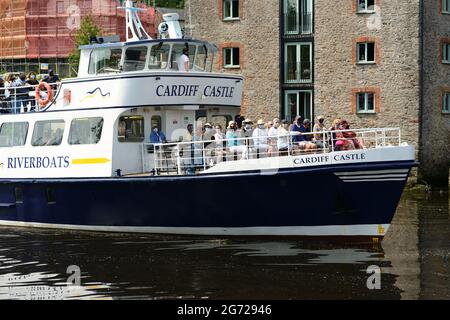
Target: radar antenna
pixel 134 29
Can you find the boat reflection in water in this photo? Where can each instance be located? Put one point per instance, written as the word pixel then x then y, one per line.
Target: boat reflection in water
pixel 413 259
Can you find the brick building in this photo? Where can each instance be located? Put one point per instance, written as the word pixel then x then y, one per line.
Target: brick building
pixel 377 63
pixel 34 33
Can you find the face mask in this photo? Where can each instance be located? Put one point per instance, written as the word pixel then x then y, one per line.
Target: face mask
pixel 261 126
pixel 248 127
pixel 33 77
pixel 155 130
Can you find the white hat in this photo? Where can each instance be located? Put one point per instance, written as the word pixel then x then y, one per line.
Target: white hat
pixel 261 121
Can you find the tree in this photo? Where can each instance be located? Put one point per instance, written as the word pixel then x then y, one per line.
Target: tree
pixel 88 29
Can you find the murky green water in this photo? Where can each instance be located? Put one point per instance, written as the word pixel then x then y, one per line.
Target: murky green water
pixel 414 260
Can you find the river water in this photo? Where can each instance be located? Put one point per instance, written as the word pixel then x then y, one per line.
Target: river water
pixel 413 261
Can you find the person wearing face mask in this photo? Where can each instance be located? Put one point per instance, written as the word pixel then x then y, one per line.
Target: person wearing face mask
pixel 157 136
pixel 260 139
pixel 296 129
pixel 273 137
pixel 32 81
pixel 21 93
pixel 319 137
pixel 233 144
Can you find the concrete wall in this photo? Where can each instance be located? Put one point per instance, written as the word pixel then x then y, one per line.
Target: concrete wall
pixel 257 34
pixel 435 129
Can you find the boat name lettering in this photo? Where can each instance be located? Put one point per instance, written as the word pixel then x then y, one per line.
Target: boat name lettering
pixel 38 162
pixel 350 156
pixel 192 90
pixel 309 160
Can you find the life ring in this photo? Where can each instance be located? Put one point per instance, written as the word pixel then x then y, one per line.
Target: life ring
pixel 44 86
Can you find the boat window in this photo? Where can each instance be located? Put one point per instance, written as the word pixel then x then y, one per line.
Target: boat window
pixel 156 122
pixel 158 56
pixel 131 129
pixel 223 120
pixel 105 61
pixel 209 61
pixel 201 58
pixel 85 131
pixel 177 51
pixel 48 133
pixel 135 58
pixel 13 134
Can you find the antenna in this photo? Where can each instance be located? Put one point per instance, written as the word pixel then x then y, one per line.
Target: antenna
pixel 134 29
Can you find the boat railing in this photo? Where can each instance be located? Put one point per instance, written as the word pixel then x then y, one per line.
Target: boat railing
pixel 22 99
pixel 199 155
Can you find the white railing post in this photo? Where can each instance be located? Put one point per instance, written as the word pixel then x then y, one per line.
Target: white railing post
pixel 177 150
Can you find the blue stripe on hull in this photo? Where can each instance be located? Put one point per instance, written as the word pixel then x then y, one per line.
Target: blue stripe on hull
pixel 294 197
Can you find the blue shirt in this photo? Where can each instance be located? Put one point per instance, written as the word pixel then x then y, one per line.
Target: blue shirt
pixel 232 135
pixel 157 137
pixel 296 128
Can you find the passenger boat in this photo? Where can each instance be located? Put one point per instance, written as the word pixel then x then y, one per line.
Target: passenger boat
pixel 83 161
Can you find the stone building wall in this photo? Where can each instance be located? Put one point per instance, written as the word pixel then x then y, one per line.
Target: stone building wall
pixel 435 129
pixel 257 34
pixel 395 76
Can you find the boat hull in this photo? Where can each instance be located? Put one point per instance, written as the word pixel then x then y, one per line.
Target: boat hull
pixel 332 201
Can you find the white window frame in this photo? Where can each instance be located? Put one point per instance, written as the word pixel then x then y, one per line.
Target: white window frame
pixel 446 103
pixel 231 66
pixel 446 52
pixel 231 2
pixel 286 106
pixel 366 7
pixel 303 7
pixel 366 103
pixel 366 46
pixel 446 6
pixel 299 60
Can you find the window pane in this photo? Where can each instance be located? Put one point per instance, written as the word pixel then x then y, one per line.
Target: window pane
pixel 361 100
pixel 361 5
pixel 158 56
pixel 370 102
pixel 446 6
pixel 446 104
pixel 226 9
pixel 85 131
pixel 48 133
pixel 135 59
pixel 305 58
pixel 13 134
pixel 200 59
pixel 292 16
pixel 361 52
pixel 446 52
pixel 227 57
pixel 236 58
pixel 371 5
pixel 105 61
pixel 291 63
pixel 370 52
pixel 131 129
pixel 291 106
pixel 235 8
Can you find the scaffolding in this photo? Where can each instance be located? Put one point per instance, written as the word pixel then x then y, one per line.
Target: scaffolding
pixel 36 34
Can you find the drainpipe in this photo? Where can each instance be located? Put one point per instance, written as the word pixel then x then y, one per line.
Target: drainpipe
pixel 421 79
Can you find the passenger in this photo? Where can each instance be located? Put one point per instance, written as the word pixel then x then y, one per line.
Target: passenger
pixel 269 125
pixel 157 136
pixel 22 91
pixel 333 139
pixel 183 61
pixel 296 129
pixel 187 150
pixel 351 135
pixel 284 138
pixel 52 79
pixel 305 138
pixel 10 96
pixel 3 105
pixel 232 141
pixel 260 139
pixel 220 144
pixel 342 142
pixel 247 132
pixel 320 138
pixel 273 137
pixel 32 81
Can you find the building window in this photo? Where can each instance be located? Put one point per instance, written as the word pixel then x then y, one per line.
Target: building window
pixel 85 131
pixel 13 134
pixel 446 52
pixel 446 6
pixel 446 103
pixel 366 6
pixel 231 58
pixel 230 9
pixel 59 7
pixel 298 62
pixel 48 133
pixel 131 129
pixel 298 16
pixel 365 102
pixel 297 103
pixel 366 52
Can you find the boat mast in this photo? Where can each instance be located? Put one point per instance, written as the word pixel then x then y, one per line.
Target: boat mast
pixel 134 29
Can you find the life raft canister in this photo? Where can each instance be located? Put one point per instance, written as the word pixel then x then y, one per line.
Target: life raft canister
pixel 44 86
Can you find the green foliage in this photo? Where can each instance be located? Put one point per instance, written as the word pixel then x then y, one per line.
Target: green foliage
pixel 178 4
pixel 88 29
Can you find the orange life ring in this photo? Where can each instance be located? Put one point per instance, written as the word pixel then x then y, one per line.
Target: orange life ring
pixel 42 86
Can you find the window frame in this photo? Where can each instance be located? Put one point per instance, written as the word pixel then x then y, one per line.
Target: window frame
pixel 366 45
pixel 446 52
pixel 366 103
pixel 145 62
pixel 138 139
pixel 231 17
pixel 445 7
pixel 366 10
pixel 304 8
pixel 232 65
pixel 85 144
pixel 26 133
pixel 446 102
pixel 298 46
